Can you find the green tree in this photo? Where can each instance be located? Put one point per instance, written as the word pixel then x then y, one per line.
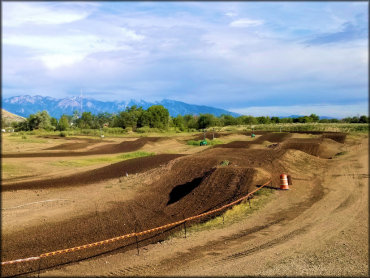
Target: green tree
pixel 54 122
pixel 363 119
pixel 263 120
pixel 102 119
pixel 159 116
pixel 314 118
pixel 205 120
pixel 87 120
pixel 229 120
pixel 275 120
pixel 40 120
pixel 179 122
pixel 144 119
pixel 286 120
pixel 63 123
pixel 191 121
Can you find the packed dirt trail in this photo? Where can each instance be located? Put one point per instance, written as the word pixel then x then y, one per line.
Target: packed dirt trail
pixel 318 227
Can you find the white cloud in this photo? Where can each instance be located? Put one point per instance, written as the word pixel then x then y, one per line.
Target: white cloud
pixel 231 14
pixel 130 34
pixel 20 13
pixel 57 60
pixel 246 22
pixel 55 51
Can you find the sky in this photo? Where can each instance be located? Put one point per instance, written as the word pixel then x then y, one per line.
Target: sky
pixel 253 58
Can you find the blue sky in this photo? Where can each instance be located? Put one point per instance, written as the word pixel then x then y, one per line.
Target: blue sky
pixel 269 58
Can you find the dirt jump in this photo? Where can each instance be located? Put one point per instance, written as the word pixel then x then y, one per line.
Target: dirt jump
pixel 180 186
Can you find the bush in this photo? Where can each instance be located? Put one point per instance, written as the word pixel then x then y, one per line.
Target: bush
pixel 146 129
pixel 63 134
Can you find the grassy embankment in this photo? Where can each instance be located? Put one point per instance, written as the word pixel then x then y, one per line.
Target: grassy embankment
pixel 232 215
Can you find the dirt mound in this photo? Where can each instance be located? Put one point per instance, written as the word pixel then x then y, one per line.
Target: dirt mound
pixel 320 147
pixel 256 132
pixel 115 170
pixel 209 135
pixel 235 144
pixel 79 144
pixel 69 146
pixel 274 137
pixel 270 137
pixel 215 188
pixel 127 146
pixel 337 136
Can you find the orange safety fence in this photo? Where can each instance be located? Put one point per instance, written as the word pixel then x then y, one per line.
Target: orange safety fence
pixel 90 245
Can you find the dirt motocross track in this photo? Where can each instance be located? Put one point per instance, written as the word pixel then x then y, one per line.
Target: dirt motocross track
pixel 181 186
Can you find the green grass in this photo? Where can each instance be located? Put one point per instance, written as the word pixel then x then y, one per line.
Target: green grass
pixel 26 139
pixel 209 142
pixel 99 160
pixel 10 169
pixel 232 215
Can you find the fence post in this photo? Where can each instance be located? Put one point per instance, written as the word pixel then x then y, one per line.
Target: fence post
pixel 184 225
pixel 38 272
pixel 137 243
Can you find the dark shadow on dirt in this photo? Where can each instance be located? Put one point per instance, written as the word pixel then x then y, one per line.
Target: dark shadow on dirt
pixel 180 191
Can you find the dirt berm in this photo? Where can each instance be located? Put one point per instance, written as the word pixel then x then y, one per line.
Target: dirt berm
pixel 127 146
pixel 116 170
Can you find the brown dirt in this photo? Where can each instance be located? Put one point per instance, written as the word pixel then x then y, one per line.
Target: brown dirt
pixel 186 186
pixel 270 137
pixel 116 170
pixel 321 147
pixel 319 227
pixel 209 135
pixel 127 146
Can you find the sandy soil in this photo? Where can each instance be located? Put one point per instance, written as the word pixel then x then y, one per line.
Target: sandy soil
pixel 319 227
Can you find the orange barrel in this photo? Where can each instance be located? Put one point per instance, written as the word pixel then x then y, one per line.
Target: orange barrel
pixel 284 182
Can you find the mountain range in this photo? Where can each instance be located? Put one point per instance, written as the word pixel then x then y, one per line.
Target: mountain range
pixel 26 105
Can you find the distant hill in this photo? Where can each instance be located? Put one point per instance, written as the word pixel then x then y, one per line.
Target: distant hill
pixel 26 105
pixel 10 117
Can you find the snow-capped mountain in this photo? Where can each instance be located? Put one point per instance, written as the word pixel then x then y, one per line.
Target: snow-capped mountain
pixel 26 105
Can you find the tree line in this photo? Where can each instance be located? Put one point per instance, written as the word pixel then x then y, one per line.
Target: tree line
pixel 158 117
